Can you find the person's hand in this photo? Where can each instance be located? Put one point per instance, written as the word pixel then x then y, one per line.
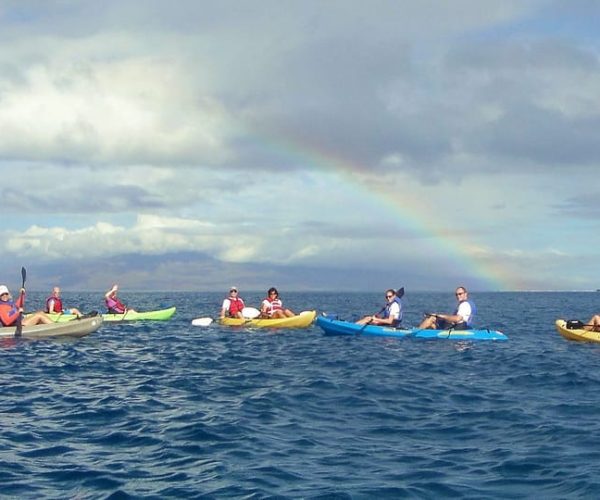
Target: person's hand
pixel 22 290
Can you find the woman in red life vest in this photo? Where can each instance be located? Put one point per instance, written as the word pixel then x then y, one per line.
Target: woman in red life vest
pixel 232 305
pixel 113 304
pixel 272 307
pixel 54 304
pixel 11 310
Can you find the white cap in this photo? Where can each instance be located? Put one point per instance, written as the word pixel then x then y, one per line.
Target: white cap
pixel 3 289
pixel 233 288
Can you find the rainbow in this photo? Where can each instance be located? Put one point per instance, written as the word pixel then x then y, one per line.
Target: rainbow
pixel 411 213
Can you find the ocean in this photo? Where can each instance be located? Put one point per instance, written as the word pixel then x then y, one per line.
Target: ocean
pixel 167 410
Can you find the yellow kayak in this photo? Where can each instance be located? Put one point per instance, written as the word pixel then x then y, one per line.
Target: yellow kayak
pixel 579 334
pixel 302 320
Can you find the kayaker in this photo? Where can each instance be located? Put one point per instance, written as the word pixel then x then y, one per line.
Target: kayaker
pixel 232 305
pixel 272 307
pixel 11 310
pixel 390 315
pixel 460 319
pixel 593 325
pixel 113 304
pixel 54 304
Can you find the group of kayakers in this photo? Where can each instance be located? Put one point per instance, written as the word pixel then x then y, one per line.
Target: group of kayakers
pixel 11 311
pixel 271 306
pixel 391 314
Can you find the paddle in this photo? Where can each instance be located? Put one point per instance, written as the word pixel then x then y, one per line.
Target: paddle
pixel 19 329
pixel 249 314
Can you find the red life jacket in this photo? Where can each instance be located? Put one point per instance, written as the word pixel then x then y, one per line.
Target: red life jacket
pixel 235 305
pixel 58 305
pixel 274 305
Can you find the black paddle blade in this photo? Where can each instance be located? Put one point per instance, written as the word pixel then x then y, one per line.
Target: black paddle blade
pixel 23 276
pixel 400 292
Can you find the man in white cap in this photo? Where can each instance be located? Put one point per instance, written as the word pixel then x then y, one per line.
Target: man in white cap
pixel 11 311
pixel 232 305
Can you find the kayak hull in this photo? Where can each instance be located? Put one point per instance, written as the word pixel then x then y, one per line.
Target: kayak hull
pixel 302 320
pixel 338 327
pixel 159 315
pixel 578 335
pixel 76 328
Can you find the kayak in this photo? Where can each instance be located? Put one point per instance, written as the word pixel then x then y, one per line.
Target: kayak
pixel 159 315
pixel 302 320
pixel 77 328
pixel 578 334
pixel 333 326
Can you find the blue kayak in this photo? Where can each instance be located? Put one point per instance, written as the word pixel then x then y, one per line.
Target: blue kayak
pixel 333 326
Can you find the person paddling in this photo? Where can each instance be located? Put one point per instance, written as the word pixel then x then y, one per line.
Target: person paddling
pixel 232 305
pixel 390 315
pixel 11 311
pixel 113 304
pixel 460 319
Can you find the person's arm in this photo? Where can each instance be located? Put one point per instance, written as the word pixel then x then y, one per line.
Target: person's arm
pixel 392 318
pixel 224 308
pixel 451 318
pixel 20 302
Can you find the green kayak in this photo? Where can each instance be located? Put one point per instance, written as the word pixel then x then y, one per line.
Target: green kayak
pixel 159 315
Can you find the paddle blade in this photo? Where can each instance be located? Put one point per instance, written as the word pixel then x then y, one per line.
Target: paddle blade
pixel 250 312
pixel 202 321
pixel 400 292
pixel 23 276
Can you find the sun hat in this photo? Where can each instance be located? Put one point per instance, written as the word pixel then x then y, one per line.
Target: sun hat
pixel 3 289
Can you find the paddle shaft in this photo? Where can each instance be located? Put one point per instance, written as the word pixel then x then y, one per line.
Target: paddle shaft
pixel 19 329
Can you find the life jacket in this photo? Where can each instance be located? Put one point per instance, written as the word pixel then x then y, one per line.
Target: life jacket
pixel 115 306
pixel 235 306
pixel 386 311
pixel 274 305
pixel 9 310
pixel 57 305
pixel 473 311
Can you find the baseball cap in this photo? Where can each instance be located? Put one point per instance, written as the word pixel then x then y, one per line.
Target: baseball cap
pixel 3 289
pixel 231 288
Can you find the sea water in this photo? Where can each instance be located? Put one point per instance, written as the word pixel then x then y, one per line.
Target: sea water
pixel 168 410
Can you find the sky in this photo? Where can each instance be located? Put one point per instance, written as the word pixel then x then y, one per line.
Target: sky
pixel 304 144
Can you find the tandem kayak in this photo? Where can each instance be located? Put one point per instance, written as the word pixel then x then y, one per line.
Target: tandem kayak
pixel 333 326
pixel 159 315
pixel 578 334
pixel 76 328
pixel 302 320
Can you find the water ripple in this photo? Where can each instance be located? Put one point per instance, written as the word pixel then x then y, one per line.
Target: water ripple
pixel 165 410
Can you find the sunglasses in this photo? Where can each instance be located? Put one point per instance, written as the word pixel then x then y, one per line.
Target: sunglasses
pixel 388 296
